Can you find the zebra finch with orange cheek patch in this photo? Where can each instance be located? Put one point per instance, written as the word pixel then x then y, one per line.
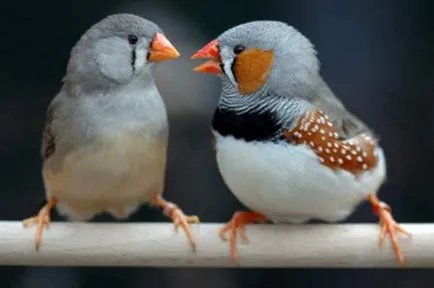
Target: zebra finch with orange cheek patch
pixel 285 145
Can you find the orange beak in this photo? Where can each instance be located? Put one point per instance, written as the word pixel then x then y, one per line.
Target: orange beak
pixel 161 49
pixel 209 51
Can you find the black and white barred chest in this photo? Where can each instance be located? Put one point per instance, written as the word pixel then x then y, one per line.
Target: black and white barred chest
pixel 248 126
pixel 258 117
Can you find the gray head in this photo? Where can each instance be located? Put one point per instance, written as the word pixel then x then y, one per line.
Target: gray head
pixel 262 55
pixel 116 50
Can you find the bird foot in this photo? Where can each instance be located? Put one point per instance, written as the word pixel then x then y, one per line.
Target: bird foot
pixel 42 220
pixel 389 227
pixel 236 226
pixel 178 217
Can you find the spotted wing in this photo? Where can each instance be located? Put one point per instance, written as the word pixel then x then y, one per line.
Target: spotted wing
pixel 315 130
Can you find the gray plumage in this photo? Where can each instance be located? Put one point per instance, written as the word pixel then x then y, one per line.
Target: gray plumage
pixel 104 145
pixel 102 57
pixel 294 84
pixel 108 91
pixel 101 91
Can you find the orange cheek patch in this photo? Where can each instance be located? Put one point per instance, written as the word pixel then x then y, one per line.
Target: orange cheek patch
pixel 318 133
pixel 252 68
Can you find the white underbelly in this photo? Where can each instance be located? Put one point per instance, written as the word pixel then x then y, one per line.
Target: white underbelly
pixel 289 184
pixel 115 176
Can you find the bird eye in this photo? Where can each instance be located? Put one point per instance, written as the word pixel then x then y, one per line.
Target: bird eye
pixel 238 49
pixel 132 39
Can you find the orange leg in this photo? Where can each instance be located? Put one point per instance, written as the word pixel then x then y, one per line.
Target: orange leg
pixel 178 217
pixel 388 225
pixel 237 225
pixel 42 220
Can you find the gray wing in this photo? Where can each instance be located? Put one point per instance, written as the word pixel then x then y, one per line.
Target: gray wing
pixel 347 124
pixel 48 145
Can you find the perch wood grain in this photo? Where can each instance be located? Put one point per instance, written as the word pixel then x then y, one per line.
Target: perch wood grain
pixel 158 245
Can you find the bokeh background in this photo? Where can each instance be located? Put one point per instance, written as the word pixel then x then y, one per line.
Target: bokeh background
pixel 376 55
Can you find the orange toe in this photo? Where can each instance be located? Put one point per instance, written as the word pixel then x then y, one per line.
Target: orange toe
pixel 388 226
pixel 42 220
pixel 236 226
pixel 178 217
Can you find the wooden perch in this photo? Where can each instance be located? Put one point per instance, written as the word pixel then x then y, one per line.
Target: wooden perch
pixel 156 244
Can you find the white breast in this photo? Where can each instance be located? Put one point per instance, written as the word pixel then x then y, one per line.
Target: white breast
pixel 289 184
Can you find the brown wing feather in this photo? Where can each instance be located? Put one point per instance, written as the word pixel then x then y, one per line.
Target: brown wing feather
pixel 316 130
pixel 48 140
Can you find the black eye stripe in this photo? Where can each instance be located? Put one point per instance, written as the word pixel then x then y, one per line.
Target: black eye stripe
pixel 222 67
pixel 233 69
pixel 237 50
pixel 133 59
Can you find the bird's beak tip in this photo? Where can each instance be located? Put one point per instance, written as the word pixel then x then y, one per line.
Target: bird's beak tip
pixel 161 49
pixel 209 51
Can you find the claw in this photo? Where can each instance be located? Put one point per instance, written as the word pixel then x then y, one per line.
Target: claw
pixel 243 235
pixel 391 228
pixel 222 232
pixel 178 217
pixel 237 227
pixel 176 223
pixel 388 226
pixel 42 220
pixel 383 232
